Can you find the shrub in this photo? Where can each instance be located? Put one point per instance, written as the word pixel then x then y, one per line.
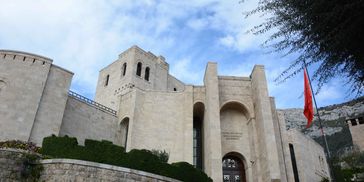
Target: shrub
pixel 108 153
pixel 61 147
pixel 142 160
pixel 96 151
pixel 103 152
pixel 17 144
pixel 188 172
pixel 162 155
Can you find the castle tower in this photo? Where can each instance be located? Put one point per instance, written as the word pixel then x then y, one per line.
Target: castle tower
pixel 134 68
pixel 356 126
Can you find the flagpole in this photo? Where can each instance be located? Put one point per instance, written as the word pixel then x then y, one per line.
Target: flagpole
pixel 318 115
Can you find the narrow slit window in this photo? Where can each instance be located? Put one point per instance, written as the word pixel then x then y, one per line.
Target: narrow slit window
pixel 123 70
pixel 146 76
pixel 107 80
pixel 139 69
pixel 294 163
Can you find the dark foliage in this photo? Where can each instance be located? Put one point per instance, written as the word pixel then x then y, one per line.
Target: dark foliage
pixel 337 142
pixel 58 147
pixel 143 160
pixel 347 167
pixel 103 152
pixel 162 155
pixel 108 153
pixel 327 32
pixel 187 172
pixel 67 147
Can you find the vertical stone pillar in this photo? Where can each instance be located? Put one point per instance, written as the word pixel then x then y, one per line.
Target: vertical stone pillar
pixel 279 138
pixel 255 163
pixel 212 148
pixel 267 143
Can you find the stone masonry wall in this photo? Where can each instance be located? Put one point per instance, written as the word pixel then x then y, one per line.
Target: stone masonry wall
pixel 72 170
pixel 10 164
pixel 23 77
pixel 162 120
pixel 310 157
pixel 76 170
pixel 84 121
pixel 49 116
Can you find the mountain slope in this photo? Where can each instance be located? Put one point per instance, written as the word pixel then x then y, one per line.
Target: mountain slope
pixel 333 121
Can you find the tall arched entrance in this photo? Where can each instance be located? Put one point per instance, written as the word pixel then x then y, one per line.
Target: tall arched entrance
pixel 198 117
pixel 233 168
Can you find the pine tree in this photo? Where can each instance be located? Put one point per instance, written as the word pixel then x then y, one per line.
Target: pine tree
pixel 327 32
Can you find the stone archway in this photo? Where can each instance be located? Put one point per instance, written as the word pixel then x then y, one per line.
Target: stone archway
pixel 124 128
pixel 235 140
pixel 233 168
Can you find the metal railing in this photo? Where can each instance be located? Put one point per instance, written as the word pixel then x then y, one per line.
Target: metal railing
pixel 91 102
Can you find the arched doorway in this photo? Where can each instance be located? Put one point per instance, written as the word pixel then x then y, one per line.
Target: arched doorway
pixel 124 127
pixel 233 169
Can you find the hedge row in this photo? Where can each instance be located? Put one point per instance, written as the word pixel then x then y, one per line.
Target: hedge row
pixel 108 153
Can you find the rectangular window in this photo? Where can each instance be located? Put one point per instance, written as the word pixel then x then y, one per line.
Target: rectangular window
pixel 197 143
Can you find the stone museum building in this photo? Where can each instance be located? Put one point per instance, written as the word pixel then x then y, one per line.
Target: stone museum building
pixel 228 127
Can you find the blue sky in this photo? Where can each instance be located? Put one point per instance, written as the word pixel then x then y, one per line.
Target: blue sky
pixel 84 36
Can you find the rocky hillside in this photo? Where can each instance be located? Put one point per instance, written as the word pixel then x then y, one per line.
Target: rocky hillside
pixel 333 117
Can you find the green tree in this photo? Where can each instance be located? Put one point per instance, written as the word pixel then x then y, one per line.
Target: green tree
pixel 326 32
pixel 355 162
pixel 348 166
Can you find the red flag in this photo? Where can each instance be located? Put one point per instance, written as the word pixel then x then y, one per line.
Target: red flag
pixel 308 110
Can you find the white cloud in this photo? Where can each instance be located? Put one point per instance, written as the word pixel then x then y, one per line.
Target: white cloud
pixel 328 92
pixel 83 36
pixel 181 70
pixel 197 24
pixel 228 41
pixel 76 33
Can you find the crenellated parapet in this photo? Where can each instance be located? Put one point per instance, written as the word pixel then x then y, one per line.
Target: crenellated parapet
pixel 27 58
